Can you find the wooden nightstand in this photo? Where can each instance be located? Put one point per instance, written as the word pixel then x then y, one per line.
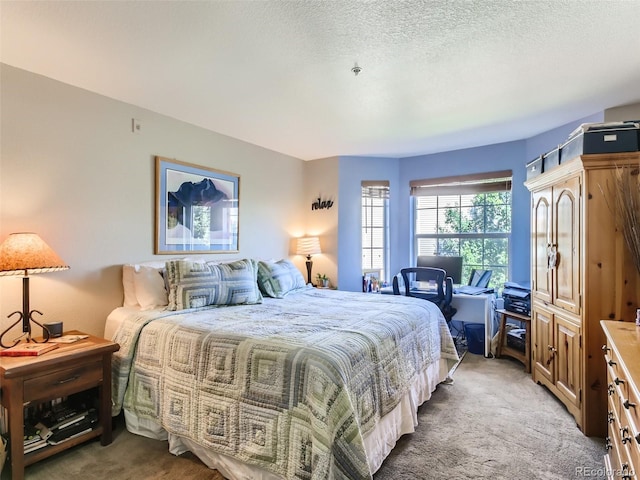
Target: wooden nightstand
pixel 69 369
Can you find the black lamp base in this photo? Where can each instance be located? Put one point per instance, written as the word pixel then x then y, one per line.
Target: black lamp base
pixel 309 265
pixel 26 317
pixel 26 329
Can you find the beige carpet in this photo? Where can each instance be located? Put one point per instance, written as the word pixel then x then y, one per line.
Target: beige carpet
pixel 493 422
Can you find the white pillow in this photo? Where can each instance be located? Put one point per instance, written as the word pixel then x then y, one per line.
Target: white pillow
pixel 129 269
pixel 150 288
pixel 130 299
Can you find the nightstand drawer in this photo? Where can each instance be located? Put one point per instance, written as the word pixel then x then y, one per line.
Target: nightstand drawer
pixel 58 383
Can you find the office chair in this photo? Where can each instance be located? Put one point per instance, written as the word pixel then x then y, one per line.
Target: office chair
pixel 395 285
pixel 480 278
pixel 441 295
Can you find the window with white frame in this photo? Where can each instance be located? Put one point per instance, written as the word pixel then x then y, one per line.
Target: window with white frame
pixel 467 216
pixel 375 229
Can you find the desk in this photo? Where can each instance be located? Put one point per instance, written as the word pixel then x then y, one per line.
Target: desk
pixel 476 309
pixel 471 309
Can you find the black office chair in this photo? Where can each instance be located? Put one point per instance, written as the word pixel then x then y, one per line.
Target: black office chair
pixel 441 294
pixel 480 278
pixel 395 285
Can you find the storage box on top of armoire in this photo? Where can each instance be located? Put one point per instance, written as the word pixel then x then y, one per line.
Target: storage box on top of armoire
pixel 534 167
pixel 551 159
pixel 614 137
pixel 543 163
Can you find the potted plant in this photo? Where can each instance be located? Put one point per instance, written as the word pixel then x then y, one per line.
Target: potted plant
pixel 323 280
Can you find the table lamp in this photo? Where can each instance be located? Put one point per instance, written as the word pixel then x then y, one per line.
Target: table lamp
pixel 26 254
pixel 308 246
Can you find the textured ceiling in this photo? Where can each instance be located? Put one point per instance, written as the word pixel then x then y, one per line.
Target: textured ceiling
pixel 436 75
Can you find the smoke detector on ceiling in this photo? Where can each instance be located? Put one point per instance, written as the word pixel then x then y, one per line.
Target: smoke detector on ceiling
pixel 356 70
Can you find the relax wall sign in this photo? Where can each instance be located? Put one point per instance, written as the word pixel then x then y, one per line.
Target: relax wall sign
pixel 320 204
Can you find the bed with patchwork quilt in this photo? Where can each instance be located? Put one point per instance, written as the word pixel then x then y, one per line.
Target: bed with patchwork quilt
pixel 285 382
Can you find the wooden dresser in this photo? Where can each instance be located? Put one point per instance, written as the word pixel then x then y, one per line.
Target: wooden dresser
pixel 621 355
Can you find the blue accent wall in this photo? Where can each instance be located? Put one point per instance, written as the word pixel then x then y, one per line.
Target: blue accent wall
pixel 504 156
pixel 351 172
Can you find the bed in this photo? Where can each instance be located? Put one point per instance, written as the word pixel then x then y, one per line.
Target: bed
pixel 274 380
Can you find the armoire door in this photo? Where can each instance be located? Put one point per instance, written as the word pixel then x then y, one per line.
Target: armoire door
pixel 541 242
pixel 565 245
pixel 567 362
pixel 542 344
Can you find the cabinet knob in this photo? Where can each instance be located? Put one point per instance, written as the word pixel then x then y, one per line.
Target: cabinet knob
pixel 611 389
pixel 611 363
pixel 607 444
pixel 611 418
pixel 624 437
pixel 627 404
pixel 605 349
pixel 618 381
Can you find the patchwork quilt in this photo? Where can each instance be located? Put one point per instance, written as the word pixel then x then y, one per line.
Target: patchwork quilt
pixel 291 385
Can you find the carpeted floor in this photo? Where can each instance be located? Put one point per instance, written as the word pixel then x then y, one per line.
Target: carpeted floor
pixel 493 422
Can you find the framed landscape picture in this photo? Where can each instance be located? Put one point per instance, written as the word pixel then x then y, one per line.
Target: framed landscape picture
pixel 196 208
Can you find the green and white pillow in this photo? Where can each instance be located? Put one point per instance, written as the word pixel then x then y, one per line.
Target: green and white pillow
pixel 196 284
pixel 277 279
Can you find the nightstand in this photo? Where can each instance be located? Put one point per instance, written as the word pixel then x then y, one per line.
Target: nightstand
pixel 70 369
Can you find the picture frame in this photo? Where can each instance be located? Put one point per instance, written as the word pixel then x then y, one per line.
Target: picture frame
pixel 197 208
pixel 371 280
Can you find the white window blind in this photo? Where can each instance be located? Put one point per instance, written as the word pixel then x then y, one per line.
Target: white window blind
pixel 459 185
pixel 375 227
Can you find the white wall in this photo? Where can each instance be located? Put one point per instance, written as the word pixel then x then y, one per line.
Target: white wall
pixel 625 112
pixel 72 170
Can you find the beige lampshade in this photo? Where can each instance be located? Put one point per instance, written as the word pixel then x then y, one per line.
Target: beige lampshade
pixel 308 246
pixel 27 253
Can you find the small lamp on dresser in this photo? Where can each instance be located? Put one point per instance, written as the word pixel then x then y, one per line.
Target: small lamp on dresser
pixel 26 254
pixel 308 246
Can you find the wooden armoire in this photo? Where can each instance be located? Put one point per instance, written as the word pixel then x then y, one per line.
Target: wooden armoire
pixel 581 273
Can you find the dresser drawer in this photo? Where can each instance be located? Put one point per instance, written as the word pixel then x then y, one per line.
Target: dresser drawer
pixel 59 382
pixel 620 455
pixel 630 414
pixel 616 389
pixel 615 374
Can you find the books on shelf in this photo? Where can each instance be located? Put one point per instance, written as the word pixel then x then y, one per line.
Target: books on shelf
pixel 35 437
pixel 59 421
pixel 80 427
pixel 79 424
pixel 70 421
pixel 35 445
pixel 28 349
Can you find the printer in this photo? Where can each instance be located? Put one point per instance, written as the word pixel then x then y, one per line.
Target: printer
pixel 517 297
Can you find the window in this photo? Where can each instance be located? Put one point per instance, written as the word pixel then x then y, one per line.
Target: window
pixel 375 228
pixel 466 216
